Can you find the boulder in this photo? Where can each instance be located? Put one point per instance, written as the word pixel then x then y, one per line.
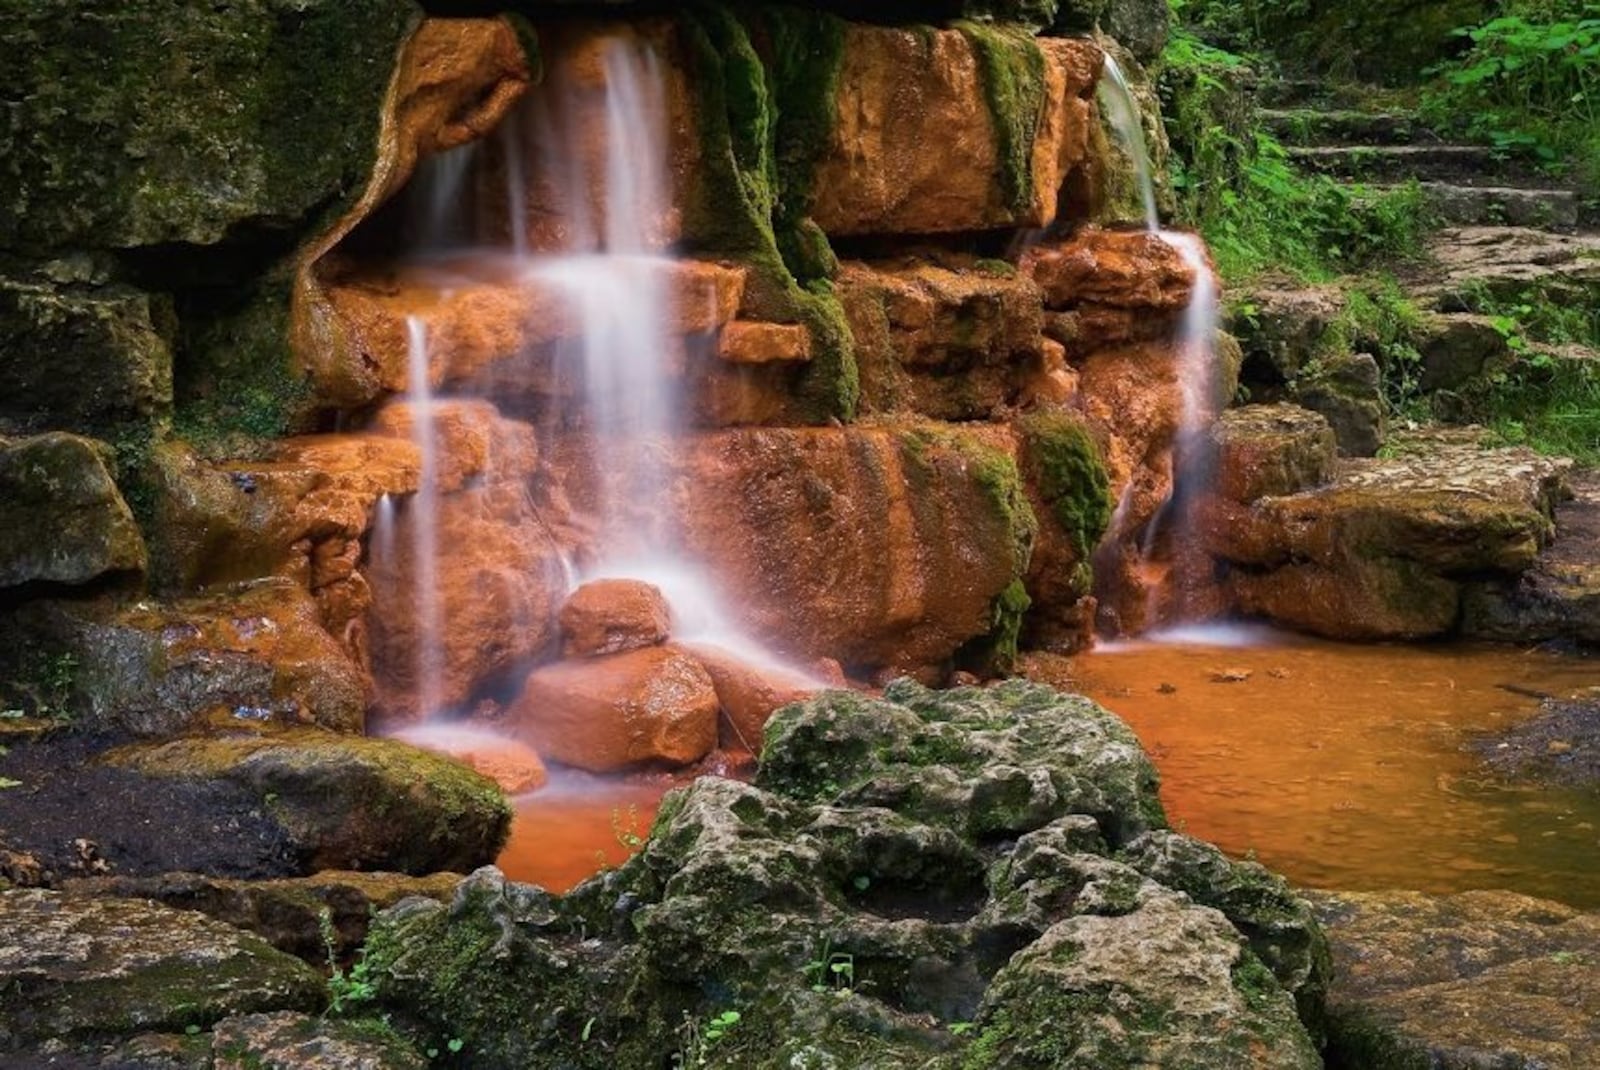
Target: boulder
pixel 88 968
pixel 1461 981
pixel 347 802
pixel 610 616
pixel 62 519
pixel 952 345
pixel 1347 389
pixel 512 764
pixel 254 653
pixel 750 691
pixel 1140 25
pixel 1285 329
pixel 618 710
pixel 291 1041
pixel 1017 109
pixel 84 354
pixel 855 928
pixel 287 913
pixel 874 546
pixel 1384 549
pixel 272 113
pixel 497 572
pixel 1271 450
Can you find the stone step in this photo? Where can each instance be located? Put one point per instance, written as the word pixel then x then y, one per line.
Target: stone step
pixel 1377 162
pixel 1459 348
pixel 1521 206
pixel 1318 126
pixel 1505 263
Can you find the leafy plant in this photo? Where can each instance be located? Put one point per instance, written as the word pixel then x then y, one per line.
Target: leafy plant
pixel 1528 84
pixel 831 971
pixel 626 827
pixel 699 1039
pixel 346 991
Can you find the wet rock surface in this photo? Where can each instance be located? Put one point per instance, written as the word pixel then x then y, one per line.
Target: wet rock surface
pixel 62 519
pixel 1386 548
pixel 610 616
pixel 1557 747
pixel 95 967
pixel 345 802
pixel 985 856
pixel 1461 982
pixel 1270 450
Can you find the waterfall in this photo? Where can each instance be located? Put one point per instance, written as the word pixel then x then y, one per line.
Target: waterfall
pixel 424 507
pixel 1192 467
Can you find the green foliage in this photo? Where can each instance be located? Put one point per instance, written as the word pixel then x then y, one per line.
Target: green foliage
pixel 346 991
pixel 1012 69
pixel 1070 474
pixel 1528 84
pixel 43 687
pixel 1378 318
pixel 698 1039
pixel 1236 184
pixel 1541 399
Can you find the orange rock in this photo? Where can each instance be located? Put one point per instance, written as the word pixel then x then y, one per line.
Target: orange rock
pixel 1118 269
pixel 455 80
pixel 748 342
pixel 955 345
pixel 749 692
pixel 901 91
pixel 874 546
pixel 610 616
pixel 608 713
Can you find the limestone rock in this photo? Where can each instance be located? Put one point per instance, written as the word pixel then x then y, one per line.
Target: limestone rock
pixel 985 762
pixel 286 913
pixel 89 357
pixel 244 655
pixel 1384 549
pixel 952 345
pixel 873 546
pixel 1461 981
pixel 1271 450
pixel 896 919
pixel 125 152
pixel 92 967
pixel 1168 984
pixel 1141 25
pixel 618 710
pixel 290 1041
pixel 901 90
pixel 62 519
pixel 1347 390
pixel 1286 329
pixel 610 616
pixel 751 342
pixel 348 802
pixel 498 575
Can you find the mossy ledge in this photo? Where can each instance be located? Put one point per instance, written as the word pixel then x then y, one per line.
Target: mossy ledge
pixel 1012 70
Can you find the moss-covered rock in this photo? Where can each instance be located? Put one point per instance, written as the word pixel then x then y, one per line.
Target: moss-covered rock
pixel 62 519
pixel 84 356
pixel 86 968
pixel 348 802
pixel 152 124
pixel 287 913
pixel 290 1041
pixel 809 923
pixel 986 762
pixel 247 654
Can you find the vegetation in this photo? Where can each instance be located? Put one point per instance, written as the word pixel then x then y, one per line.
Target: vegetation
pixel 1236 185
pixel 1529 84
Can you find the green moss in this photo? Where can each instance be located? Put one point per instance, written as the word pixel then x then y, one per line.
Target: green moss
pixel 1065 461
pixel 745 110
pixel 1012 69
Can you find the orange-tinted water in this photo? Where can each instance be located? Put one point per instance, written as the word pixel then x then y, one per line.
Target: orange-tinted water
pixel 564 835
pixel 1345 766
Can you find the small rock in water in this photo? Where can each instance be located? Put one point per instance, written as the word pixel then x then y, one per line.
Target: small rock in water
pixel 1278 673
pixel 1558 746
pixel 1167 689
pixel 1230 676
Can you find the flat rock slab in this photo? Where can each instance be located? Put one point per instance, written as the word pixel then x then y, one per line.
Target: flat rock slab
pixel 1463 982
pixel 1508 260
pixel 1559 747
pixel 87 967
pixel 1559 598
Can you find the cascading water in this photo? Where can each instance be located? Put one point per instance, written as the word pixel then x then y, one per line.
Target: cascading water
pixel 425 519
pixel 1196 365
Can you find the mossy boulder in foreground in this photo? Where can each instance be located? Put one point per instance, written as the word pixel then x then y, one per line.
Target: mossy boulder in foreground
pixel 950 880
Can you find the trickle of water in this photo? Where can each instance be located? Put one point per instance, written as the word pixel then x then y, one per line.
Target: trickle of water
pixel 424 507
pixel 1123 111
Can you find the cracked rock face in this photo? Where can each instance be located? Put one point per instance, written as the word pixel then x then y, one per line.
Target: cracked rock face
pixel 991 857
